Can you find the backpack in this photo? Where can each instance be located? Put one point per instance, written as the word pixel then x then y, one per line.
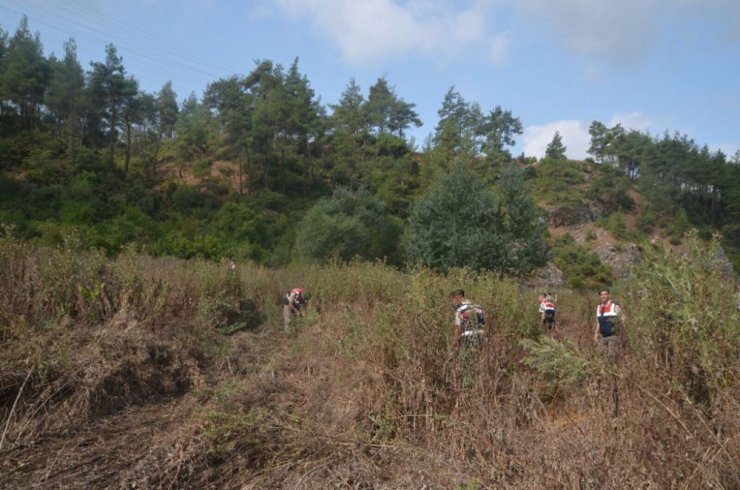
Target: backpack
pixel 472 316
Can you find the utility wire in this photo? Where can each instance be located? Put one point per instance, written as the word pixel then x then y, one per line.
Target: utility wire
pixel 150 50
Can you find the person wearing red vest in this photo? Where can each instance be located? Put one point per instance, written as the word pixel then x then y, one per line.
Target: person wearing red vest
pixel 608 317
pixel 547 312
pixel 293 301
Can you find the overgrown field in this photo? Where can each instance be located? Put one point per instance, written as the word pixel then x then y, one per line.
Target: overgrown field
pixel 163 373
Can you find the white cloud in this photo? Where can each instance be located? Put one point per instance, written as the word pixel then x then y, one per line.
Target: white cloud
pixel 498 52
pixel 614 31
pixel 603 31
pixel 370 31
pixel 632 120
pixel 624 32
pixel 575 134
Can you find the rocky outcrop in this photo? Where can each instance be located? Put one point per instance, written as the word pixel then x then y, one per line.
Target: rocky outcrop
pixel 619 258
pixel 575 214
pixel 548 278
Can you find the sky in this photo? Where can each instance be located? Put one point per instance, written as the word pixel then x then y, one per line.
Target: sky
pixel 651 65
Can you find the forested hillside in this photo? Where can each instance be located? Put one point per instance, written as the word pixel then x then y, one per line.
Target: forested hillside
pixel 260 168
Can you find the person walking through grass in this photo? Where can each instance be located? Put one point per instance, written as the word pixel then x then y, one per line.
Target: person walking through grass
pixel 467 332
pixel 293 302
pixel 608 325
pixel 547 312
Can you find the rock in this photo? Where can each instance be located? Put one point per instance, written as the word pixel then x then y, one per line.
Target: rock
pixel 573 215
pixel 548 277
pixel 619 259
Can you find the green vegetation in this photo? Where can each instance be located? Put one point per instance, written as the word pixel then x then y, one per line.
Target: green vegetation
pixel 88 153
pixel 560 182
pixel 582 268
pixel 556 149
pixel 460 222
pixel 350 224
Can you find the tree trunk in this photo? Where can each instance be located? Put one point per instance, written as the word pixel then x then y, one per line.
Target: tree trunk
pixel 127 151
pixel 112 138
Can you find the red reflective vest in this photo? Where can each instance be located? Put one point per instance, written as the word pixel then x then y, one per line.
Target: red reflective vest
pixel 298 298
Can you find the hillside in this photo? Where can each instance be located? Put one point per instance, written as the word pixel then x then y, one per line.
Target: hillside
pixel 259 168
pixel 122 373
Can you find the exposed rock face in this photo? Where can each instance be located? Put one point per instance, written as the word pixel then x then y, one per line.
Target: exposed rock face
pixel 575 214
pixel 620 259
pixel 548 277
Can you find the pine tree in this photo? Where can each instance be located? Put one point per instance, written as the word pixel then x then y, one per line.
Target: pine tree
pixel 64 97
pixel 25 73
pixel 457 223
pixel 110 90
pixel 168 109
pixel 499 128
pixel 555 150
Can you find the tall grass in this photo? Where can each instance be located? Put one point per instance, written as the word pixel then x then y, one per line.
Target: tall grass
pixel 368 390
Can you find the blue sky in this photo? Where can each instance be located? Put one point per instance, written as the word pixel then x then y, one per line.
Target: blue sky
pixel 652 65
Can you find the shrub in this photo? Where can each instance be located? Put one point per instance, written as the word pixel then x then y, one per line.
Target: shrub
pixel 582 269
pixel 347 225
pixel 685 311
pixel 647 220
pixel 460 223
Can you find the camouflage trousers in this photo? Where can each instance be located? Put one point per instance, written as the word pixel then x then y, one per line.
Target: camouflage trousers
pixel 467 357
pixel 609 347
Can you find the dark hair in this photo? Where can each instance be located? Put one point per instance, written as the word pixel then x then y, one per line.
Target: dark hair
pixel 457 292
pixel 604 291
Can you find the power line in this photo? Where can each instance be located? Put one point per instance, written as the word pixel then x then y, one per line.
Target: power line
pixel 125 29
pixel 150 50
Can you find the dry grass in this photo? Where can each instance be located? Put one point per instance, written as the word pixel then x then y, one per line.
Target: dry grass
pixel 130 382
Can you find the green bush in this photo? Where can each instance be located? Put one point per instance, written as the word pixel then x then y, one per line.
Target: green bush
pixel 582 269
pixel 680 226
pixel 646 220
pixel 347 225
pixel 461 223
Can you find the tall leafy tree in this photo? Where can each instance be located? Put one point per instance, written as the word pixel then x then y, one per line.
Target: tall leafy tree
pixel 232 104
pixel 3 55
pixel 459 126
pixel 387 112
pixel 350 126
pixel 196 131
pixel 305 121
pixel 133 114
pixel 523 226
pixel 349 115
pixel 147 131
pixel 601 141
